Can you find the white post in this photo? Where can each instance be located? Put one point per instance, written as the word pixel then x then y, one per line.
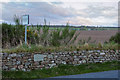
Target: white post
pixel 25 34
pixel 25 21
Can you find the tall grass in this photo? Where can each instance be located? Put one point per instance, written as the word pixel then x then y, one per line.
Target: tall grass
pixel 13 35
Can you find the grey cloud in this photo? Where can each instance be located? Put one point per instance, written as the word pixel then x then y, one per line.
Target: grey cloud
pixel 56 14
pixel 97 10
pixel 36 10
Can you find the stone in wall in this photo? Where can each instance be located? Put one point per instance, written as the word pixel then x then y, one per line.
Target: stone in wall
pixel 39 57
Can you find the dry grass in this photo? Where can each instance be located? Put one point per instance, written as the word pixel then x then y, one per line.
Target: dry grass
pixel 42 49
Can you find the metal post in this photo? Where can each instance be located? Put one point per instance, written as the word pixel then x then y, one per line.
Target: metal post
pixel 25 34
pixel 25 21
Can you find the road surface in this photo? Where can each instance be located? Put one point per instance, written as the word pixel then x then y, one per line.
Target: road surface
pixel 105 75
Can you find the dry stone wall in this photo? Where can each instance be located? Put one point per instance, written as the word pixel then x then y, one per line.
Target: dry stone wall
pixel 32 61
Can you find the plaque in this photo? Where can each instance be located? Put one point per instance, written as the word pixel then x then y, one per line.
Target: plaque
pixel 39 57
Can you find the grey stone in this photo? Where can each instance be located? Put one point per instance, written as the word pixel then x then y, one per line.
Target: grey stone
pixel 50 56
pixel 52 61
pixel 96 61
pixel 80 62
pixel 28 70
pixel 102 59
pixel 22 54
pixel 37 63
pixel 1 53
pixel 75 51
pixel 55 56
pixel 74 62
pixel 75 56
pixel 83 61
pixel 5 67
pixel 27 63
pixel 90 51
pixel 23 69
pixel 90 61
pixel 84 56
pixel 39 57
pixel 47 67
pixel 107 59
pixel 20 66
pixel 29 59
pixel 9 63
pixel 18 55
pixel 63 62
pixel 13 69
pixel 8 57
pixel 89 55
pixel 26 66
pixel 98 51
pixel 83 51
pixel 60 52
pixel 51 65
pixel 76 59
pixel 18 62
pixel 5 54
pixel 14 60
pixel 102 53
pixel 13 55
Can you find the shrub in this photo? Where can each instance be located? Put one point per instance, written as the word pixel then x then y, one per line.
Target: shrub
pixel 62 36
pixel 55 39
pixel 115 38
pixel 11 35
pixel 100 45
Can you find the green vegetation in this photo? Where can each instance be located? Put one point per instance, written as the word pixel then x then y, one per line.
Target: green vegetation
pixel 40 48
pixel 42 38
pixel 63 70
pixel 115 38
pixel 63 36
pixel 13 35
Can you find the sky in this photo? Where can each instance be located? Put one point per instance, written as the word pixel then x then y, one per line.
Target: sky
pixel 89 13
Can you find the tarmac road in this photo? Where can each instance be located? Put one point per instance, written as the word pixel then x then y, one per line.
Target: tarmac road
pixel 105 75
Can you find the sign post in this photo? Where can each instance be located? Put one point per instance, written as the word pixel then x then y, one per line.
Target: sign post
pixel 25 21
pixel 25 34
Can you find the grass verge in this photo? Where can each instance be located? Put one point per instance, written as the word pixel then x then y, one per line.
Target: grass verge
pixel 42 49
pixel 62 70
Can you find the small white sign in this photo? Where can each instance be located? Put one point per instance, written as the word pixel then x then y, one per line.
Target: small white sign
pixel 25 19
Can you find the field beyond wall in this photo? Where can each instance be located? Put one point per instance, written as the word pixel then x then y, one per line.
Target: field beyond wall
pixel 96 36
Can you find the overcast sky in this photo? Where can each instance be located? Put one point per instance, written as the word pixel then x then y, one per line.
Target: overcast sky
pixel 61 12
